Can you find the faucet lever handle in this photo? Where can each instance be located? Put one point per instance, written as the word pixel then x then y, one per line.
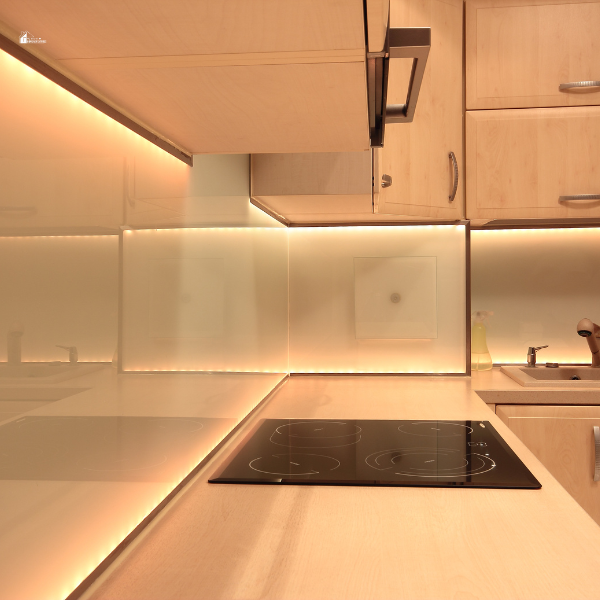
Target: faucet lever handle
pixel 531 356
pixel 73 357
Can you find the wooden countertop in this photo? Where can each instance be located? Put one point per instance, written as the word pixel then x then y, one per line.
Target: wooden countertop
pixel 301 542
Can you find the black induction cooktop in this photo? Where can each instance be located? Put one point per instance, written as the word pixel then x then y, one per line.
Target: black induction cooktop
pixel 373 452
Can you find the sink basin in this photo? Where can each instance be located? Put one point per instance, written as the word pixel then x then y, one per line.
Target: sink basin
pixel 571 377
pixel 47 372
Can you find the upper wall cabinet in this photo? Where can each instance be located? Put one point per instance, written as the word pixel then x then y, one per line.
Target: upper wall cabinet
pixel 417 175
pixel 533 163
pixel 225 76
pixel 538 53
pixel 422 178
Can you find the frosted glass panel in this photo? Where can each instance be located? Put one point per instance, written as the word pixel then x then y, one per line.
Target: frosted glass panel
pixel 539 283
pixel 187 298
pixel 62 290
pixel 205 299
pixel 341 283
pixel 395 298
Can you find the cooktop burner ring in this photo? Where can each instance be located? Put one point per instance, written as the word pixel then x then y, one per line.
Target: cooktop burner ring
pixel 466 469
pixel 300 456
pixel 441 429
pixel 316 434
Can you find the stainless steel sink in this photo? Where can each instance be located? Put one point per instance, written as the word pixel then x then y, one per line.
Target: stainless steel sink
pixel 571 377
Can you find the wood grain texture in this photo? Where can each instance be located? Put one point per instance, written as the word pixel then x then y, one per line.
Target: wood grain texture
pixel 311 174
pixel 288 542
pixel 113 28
pixel 227 77
pixel 215 60
pixel 562 438
pixel 312 187
pixel 416 155
pixel 517 53
pixel 520 161
pixel 246 109
pixel 377 21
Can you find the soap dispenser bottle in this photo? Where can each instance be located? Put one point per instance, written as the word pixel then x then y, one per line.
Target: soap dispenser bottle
pixel 481 359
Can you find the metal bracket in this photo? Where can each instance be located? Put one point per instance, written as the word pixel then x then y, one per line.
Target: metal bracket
pixel 401 42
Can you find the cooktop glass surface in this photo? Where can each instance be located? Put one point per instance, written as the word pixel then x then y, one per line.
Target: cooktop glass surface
pixel 372 452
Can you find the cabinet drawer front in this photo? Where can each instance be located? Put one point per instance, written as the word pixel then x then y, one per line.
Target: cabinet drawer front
pixel 520 162
pixel 518 54
pixel 562 438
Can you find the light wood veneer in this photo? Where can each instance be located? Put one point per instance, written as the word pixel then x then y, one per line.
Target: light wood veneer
pixel 520 161
pixel 562 438
pixel 518 53
pixel 416 155
pixel 218 77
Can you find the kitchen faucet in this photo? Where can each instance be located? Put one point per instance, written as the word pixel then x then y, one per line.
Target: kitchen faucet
pixel 591 331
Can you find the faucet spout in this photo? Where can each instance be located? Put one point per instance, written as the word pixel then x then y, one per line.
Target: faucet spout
pixel 591 331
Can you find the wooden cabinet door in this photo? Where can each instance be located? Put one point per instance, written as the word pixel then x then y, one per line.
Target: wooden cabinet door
pixel 520 163
pixel 562 438
pixel 416 155
pixel 518 54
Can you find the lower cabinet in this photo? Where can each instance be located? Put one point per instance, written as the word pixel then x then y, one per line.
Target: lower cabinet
pixel 539 163
pixel 562 438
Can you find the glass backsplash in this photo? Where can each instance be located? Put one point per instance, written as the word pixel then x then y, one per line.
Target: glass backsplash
pixel 108 243
pixel 539 283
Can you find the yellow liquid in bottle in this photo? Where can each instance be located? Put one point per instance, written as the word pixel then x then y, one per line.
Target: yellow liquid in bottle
pixel 481 359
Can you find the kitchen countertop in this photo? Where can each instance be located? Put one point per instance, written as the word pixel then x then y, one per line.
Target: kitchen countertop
pixel 57 523
pixel 304 542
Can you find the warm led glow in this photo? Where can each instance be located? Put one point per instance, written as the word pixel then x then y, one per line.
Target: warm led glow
pixel 60 121
pixel 150 505
pixel 538 283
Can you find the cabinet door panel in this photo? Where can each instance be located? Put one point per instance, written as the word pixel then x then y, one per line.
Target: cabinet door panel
pixel 519 162
pixel 240 109
pixel 517 54
pixel 562 438
pixel 416 155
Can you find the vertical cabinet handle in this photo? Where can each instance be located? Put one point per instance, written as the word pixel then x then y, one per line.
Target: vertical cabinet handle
pixel 386 181
pixel 597 453
pixel 455 177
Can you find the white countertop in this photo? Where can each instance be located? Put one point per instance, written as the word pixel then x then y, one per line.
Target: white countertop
pixel 55 532
pixel 303 542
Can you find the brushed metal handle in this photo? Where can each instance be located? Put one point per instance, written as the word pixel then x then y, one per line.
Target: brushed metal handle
pixel 386 181
pixel 579 197
pixel 578 84
pixel 597 453
pixel 408 42
pixel 455 186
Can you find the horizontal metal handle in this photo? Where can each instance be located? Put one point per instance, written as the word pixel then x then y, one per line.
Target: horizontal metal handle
pixel 578 84
pixel 579 197
pixel 597 453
